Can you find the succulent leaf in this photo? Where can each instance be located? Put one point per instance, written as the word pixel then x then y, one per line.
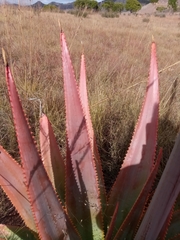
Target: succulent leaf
pixel 81 156
pixel 109 233
pixel 164 229
pixel 74 205
pixel 51 157
pixel 85 105
pixel 133 219
pixel 12 181
pixel 164 197
pixel 139 160
pixel 82 212
pixel 50 217
pixel 84 98
pixel 16 233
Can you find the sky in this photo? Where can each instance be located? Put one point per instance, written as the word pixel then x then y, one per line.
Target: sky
pixel 29 2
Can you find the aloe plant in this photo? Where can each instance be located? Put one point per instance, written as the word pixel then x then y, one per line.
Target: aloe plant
pixel 60 199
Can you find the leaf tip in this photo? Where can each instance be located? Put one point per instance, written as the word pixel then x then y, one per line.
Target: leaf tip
pixel 60 26
pixel 4 57
pixel 82 47
pixel 153 40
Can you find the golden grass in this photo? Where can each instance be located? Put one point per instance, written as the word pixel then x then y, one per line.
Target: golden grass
pixel 117 58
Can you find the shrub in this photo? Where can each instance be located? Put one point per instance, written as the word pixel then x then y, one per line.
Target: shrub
pixel 78 13
pixel 50 8
pixel 112 6
pixel 132 5
pixel 153 1
pixel 109 15
pixel 146 20
pixel 160 14
pixel 86 4
pixel 161 9
pixel 118 7
pixel 173 4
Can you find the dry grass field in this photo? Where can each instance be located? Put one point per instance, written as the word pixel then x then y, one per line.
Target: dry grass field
pixel 117 54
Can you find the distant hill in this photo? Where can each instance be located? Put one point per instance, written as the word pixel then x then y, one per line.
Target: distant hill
pixel 65 6
pixel 38 4
pixel 141 1
pixel 71 5
pixel 61 6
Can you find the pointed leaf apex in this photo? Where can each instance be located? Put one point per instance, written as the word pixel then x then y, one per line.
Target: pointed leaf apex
pixel 60 26
pixel 4 57
pixel 82 47
pixel 153 40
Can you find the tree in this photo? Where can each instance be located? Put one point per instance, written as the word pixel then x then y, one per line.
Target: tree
pixel 109 5
pixel 50 8
pixel 132 5
pixel 153 1
pixel 92 4
pixel 80 4
pixel 173 4
pixel 117 7
pixel 89 4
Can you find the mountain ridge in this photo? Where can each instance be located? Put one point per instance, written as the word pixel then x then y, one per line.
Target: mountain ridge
pixel 62 6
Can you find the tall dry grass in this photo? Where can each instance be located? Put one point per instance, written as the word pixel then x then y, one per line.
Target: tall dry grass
pixel 117 58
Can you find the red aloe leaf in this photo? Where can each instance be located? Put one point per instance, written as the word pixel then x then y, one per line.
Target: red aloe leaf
pixel 15 232
pixel 139 160
pixel 51 157
pixel 164 197
pixel 81 154
pixel 50 218
pixel 164 229
pixel 132 221
pixel 12 182
pixel 111 226
pixel 84 98
pixel 74 205
pixel 85 105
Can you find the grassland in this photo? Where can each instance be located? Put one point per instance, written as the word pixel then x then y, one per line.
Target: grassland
pixel 117 54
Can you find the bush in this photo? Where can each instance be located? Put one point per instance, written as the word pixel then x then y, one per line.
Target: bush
pixel 146 20
pixel 117 7
pixel 161 9
pixel 173 4
pixel 112 6
pixel 107 5
pixel 78 13
pixel 50 8
pixel 161 15
pixel 86 4
pixel 132 5
pixel 109 15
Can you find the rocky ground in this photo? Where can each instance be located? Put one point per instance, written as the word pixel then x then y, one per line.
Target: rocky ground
pixel 151 7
